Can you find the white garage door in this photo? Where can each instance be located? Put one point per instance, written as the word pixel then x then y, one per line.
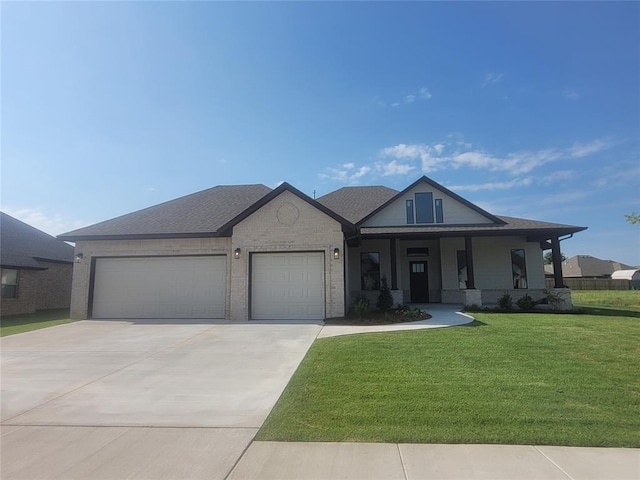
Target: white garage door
pixel 287 286
pixel 160 287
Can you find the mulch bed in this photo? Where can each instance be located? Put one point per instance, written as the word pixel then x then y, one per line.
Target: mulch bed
pixel 377 318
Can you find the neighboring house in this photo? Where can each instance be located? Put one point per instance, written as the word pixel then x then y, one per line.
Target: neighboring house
pixel 250 252
pixel 36 268
pixel 632 276
pixel 586 266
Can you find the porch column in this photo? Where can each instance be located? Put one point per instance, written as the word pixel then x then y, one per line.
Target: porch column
pixel 394 268
pixel 557 263
pixel 468 248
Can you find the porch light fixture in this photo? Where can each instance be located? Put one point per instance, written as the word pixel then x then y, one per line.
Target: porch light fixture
pixel 79 257
pixel 236 253
pixel 336 253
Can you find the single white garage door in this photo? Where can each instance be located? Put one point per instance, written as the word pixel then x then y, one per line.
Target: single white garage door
pixel 287 286
pixel 160 287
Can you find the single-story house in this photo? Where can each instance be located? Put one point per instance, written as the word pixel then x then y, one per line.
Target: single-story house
pixel 36 268
pixel 586 266
pixel 631 275
pixel 250 252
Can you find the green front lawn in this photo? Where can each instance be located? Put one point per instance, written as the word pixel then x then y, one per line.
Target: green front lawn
pixel 611 298
pixel 33 321
pixel 510 379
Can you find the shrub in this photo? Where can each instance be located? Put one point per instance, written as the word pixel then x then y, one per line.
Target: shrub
pixel 408 312
pixel 505 302
pixel 361 307
pixel 385 299
pixel 474 307
pixel 526 303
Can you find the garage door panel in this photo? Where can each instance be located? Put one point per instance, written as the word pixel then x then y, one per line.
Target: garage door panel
pixel 160 287
pixel 288 285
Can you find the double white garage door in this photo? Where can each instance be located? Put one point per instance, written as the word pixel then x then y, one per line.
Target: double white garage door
pixel 283 286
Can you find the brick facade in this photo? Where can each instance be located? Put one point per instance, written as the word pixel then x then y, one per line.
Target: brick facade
pixel 287 224
pixel 54 285
pixel 26 302
pixel 132 248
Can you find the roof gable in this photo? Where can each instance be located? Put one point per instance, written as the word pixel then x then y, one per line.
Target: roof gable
pixel 456 210
pixel 227 228
pixel 23 245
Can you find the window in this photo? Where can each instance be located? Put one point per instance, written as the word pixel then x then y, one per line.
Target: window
pixel 424 207
pixel 439 212
pixel 519 268
pixel 9 283
pixel 417 252
pixel 370 270
pixel 410 212
pixel 462 269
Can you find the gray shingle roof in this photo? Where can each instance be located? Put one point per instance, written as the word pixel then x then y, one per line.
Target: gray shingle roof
pixel 587 266
pixel 201 212
pixel 355 203
pixel 214 211
pixel 22 245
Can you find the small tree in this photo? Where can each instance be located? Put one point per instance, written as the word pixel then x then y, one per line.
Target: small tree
pixel 385 299
pixel 633 218
pixel 548 258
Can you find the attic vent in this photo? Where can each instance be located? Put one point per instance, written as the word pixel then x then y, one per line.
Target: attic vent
pixel 418 252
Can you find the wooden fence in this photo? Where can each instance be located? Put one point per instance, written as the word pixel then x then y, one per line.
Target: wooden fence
pixel 593 284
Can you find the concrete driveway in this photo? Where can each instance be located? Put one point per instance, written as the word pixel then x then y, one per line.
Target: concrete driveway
pixel 77 396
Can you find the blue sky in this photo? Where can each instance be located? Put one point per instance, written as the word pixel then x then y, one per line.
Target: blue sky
pixel 526 109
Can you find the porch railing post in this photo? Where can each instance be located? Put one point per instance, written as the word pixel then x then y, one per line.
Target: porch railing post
pixel 394 269
pixel 557 263
pixel 468 248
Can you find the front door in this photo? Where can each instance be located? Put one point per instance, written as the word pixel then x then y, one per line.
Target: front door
pixel 419 282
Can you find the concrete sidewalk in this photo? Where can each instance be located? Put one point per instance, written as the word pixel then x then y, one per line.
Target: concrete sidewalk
pixel 371 461
pixel 441 316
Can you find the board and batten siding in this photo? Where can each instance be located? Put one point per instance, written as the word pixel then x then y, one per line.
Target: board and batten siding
pixel 455 213
pixel 492 262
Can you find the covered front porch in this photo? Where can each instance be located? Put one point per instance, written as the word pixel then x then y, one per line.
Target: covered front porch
pixel 468 270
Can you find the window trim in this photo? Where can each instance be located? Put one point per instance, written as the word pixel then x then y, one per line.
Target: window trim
pixel 439 210
pixel 410 214
pixel 424 207
pixel 461 264
pixel 372 273
pixel 519 279
pixel 16 285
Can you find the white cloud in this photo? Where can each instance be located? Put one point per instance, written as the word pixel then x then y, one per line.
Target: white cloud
pixel 518 182
pixel 564 198
pixel 579 150
pixel 492 78
pixel 361 172
pixel 346 173
pixel 53 224
pixel 424 93
pixel 394 168
pixel 459 154
pixel 571 95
